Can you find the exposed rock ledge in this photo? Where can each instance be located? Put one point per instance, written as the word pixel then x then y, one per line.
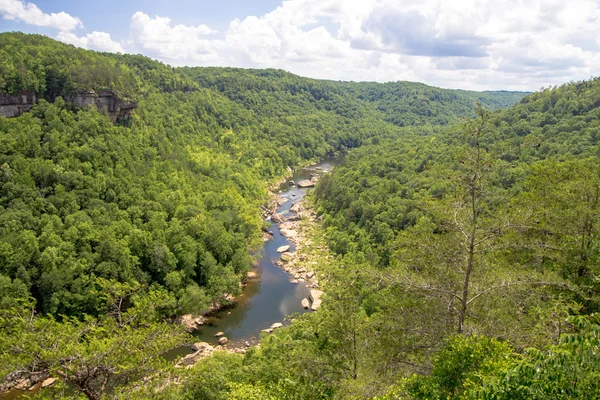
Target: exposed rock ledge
pixel 103 100
pixel 15 105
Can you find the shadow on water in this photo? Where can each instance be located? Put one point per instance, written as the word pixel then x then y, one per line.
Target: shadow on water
pixel 270 297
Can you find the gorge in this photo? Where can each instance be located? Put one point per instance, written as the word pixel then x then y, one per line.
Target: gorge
pixel 456 241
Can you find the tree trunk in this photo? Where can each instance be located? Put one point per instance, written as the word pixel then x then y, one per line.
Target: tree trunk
pixel 473 184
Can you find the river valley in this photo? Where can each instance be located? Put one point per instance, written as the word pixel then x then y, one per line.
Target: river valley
pixel 271 296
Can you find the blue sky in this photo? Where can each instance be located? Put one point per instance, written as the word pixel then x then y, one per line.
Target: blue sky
pixel 114 16
pixel 470 44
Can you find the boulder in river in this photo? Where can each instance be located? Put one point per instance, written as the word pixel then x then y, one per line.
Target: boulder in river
pixel 202 346
pixel 305 303
pixel 283 249
pixel 296 207
pixel 315 305
pixel 275 217
pixel 305 184
pixel 288 233
pixel 276 325
pixel 223 341
pixel 251 275
pixel 269 330
pixel 315 295
pixel 219 334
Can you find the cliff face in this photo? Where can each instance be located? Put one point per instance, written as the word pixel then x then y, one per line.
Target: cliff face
pixel 103 100
pixel 15 105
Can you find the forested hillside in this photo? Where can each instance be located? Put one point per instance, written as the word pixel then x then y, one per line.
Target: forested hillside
pixel 402 103
pixel 109 231
pixel 409 103
pixel 488 230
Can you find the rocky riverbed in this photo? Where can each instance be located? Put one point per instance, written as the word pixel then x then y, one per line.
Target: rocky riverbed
pixel 285 281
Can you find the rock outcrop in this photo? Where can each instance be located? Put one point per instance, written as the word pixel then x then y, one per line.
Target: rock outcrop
pixel 15 105
pixel 103 100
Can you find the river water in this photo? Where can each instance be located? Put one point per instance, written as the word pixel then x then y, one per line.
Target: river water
pixel 271 297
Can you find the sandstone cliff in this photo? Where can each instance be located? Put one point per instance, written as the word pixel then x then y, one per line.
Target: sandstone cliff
pixel 103 100
pixel 15 105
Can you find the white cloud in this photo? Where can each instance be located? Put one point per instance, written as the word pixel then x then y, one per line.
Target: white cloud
pixel 477 44
pixel 100 41
pixel 158 36
pixel 471 44
pixel 29 13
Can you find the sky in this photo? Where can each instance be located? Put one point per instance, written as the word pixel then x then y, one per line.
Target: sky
pixel 467 44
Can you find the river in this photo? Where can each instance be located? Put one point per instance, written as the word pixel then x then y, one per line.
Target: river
pixel 271 297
